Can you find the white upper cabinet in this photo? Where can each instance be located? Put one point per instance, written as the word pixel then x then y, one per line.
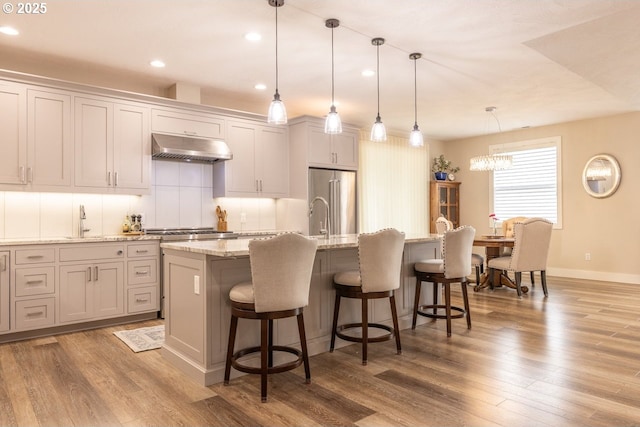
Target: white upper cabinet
pixel 260 164
pixel 49 141
pixel 187 124
pixel 13 133
pixel 112 146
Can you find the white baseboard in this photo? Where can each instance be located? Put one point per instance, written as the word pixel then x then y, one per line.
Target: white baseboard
pixel 595 275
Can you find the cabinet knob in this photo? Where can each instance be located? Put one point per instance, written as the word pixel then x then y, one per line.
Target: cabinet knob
pixel 120 252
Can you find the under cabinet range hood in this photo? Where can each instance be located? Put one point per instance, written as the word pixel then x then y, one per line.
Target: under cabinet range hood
pixel 175 147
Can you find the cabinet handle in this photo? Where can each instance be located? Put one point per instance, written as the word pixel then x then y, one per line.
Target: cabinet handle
pixel 109 178
pixel 35 313
pixel 142 300
pixel 141 273
pixel 89 273
pixel 33 282
pixel 115 179
pixel 257 185
pixel 35 256
pixel 119 252
pixel 96 273
pixel 186 132
pixel 141 251
pixel 261 185
pixel 22 177
pixel 3 264
pixel 29 175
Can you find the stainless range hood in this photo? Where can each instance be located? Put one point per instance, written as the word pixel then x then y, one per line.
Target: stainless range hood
pixel 175 147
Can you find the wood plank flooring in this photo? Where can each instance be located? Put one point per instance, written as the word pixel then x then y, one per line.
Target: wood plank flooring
pixel 572 359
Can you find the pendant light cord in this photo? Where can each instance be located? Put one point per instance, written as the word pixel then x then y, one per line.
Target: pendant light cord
pixel 277 48
pixel 415 91
pixel 378 74
pixel 332 71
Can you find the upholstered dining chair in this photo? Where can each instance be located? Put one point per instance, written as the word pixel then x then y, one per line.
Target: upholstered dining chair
pixel 379 275
pixel 453 267
pixel 530 250
pixel 477 260
pixel 281 268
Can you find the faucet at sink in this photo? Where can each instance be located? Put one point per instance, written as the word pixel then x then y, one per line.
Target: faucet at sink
pixel 327 226
pixel 81 228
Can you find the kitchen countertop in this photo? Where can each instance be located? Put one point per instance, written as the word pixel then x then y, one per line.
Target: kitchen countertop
pixel 240 247
pixel 62 239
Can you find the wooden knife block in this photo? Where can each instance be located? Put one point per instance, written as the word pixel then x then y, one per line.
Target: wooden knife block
pixel 222 225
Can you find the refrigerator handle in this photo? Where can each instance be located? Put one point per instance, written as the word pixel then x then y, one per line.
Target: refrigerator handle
pixel 337 208
pixel 332 199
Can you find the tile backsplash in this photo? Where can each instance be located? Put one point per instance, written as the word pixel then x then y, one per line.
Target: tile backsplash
pixel 181 196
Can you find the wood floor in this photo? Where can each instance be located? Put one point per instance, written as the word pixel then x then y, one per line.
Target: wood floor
pixel 570 359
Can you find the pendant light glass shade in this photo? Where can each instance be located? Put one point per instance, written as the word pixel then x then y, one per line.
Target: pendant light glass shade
pixel 415 138
pixel 332 124
pixel 277 111
pixel 378 131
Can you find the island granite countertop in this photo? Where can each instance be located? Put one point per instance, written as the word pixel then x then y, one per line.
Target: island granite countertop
pixel 240 247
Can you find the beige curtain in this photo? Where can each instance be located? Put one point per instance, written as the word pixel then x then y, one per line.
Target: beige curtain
pixel 393 185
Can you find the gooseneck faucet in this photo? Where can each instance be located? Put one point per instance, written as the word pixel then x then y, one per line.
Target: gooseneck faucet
pixel 81 228
pixel 327 226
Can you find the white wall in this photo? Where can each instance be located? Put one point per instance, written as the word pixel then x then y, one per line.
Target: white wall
pixel 181 196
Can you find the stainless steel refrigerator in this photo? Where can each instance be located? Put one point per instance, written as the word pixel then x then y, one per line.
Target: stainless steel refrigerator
pixel 338 188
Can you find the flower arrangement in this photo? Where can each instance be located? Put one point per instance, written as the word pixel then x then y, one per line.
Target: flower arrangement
pixel 495 222
pixel 440 164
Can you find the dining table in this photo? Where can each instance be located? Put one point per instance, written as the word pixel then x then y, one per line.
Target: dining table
pixel 494 245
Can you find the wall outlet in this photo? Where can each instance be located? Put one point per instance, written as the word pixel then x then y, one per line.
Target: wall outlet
pixel 587 256
pixel 196 285
pixel 243 218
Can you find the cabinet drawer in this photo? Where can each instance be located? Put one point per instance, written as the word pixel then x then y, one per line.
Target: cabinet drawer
pixel 187 124
pixel 143 250
pixel 143 271
pixel 97 252
pixel 143 299
pixel 35 281
pixel 34 256
pixel 35 313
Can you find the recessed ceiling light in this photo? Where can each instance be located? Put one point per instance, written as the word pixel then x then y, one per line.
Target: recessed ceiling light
pixel 157 63
pixel 253 37
pixel 9 31
pixel 260 86
pixel 368 73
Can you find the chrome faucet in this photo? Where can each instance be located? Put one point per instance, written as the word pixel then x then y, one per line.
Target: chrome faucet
pixel 327 226
pixel 81 228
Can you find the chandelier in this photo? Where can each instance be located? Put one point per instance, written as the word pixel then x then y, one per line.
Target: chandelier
pixel 491 162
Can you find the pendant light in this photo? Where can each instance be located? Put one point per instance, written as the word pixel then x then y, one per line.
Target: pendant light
pixel 332 124
pixel 415 138
pixel 378 132
pixel 277 112
pixel 491 162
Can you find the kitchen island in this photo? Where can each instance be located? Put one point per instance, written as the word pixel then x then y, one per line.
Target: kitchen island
pixel 199 275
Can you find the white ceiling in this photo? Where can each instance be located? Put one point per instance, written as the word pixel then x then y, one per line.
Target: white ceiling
pixel 538 61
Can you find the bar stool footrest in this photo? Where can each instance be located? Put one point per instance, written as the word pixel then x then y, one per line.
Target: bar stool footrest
pixel 421 311
pixel 385 337
pixel 283 367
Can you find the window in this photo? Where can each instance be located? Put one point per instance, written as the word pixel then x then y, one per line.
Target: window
pixel 532 187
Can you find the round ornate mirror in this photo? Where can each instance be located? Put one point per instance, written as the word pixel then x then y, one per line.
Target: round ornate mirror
pixel 601 176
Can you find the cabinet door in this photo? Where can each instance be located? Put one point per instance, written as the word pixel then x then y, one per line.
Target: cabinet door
pixel 131 147
pixel 319 146
pixel 76 293
pixel 187 123
pixel 272 162
pixel 93 143
pixel 50 157
pixel 13 133
pixel 345 148
pixel 240 175
pixel 108 282
pixel 4 291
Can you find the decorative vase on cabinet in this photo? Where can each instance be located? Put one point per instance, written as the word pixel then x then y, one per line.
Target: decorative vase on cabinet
pixel 444 199
pixel 440 176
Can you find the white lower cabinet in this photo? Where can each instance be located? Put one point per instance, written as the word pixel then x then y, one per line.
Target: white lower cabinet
pixel 91 291
pixel 4 291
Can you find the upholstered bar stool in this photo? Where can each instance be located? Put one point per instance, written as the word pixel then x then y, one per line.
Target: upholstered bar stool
pixel 281 268
pixel 477 260
pixel 380 258
pixel 454 267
